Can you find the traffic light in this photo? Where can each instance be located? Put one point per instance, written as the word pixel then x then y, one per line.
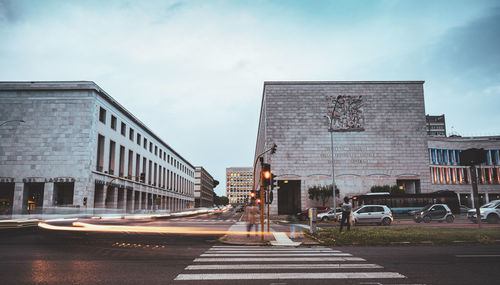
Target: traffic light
pixel 143 177
pixel 266 174
pixel 273 149
pixel 252 194
pixel 85 201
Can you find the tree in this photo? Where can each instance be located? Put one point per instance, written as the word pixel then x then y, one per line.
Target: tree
pixel 322 193
pixel 220 200
pixel 394 189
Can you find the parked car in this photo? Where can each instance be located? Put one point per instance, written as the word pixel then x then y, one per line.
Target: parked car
pixel 464 209
pixel 329 215
pixel 377 214
pixel 304 215
pixel 434 212
pixel 489 212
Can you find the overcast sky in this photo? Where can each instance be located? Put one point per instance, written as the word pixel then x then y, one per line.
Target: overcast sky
pixel 193 71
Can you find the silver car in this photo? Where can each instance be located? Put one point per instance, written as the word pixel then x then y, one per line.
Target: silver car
pixel 376 214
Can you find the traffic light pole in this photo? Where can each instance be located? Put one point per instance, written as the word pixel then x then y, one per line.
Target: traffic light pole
pixel 473 177
pixel 268 202
pixel 261 197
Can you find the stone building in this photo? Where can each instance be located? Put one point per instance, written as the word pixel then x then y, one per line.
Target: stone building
pixel 204 185
pixel 379 138
pixel 239 184
pixel 447 174
pixel 75 141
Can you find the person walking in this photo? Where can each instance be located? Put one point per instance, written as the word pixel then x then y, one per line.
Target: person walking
pixel 250 218
pixel 346 213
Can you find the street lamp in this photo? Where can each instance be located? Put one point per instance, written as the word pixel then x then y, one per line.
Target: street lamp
pixel 330 130
pixel 21 121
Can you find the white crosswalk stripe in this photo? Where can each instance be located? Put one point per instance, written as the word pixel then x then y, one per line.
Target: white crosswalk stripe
pixel 280 263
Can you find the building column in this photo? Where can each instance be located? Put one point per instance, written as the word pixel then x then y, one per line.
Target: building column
pixel 17 201
pixel 48 195
pixel 130 200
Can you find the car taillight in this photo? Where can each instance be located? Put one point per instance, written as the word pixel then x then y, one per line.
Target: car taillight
pixel 390 213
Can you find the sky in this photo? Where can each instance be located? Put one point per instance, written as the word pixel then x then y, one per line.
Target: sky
pixel 193 71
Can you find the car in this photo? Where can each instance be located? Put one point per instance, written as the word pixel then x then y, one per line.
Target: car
pixel 304 215
pixel 434 212
pixel 489 212
pixel 239 208
pixel 329 215
pixel 378 214
pixel 464 209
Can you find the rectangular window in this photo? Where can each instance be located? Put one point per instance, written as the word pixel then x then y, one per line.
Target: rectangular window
pixel 151 147
pixel 124 129
pixel 131 134
pixel 495 156
pixel 145 143
pixel 130 163
pixel 164 185
pixel 122 161
pixel 144 169
pixel 138 139
pixel 149 171
pixel 168 179
pixel 155 176
pixel 113 122
pixel 102 115
pixel 439 157
pixel 156 150
pixel 111 169
pixel 100 152
pixel 137 166
pixel 159 175
pixel 488 157
pixel 160 153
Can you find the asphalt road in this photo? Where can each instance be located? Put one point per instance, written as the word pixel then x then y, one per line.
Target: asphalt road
pixel 59 257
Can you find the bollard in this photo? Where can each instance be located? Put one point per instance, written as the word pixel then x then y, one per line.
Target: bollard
pixel 312 220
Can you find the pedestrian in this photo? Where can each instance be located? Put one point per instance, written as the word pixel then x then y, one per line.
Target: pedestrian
pixel 346 213
pixel 249 216
pixel 292 219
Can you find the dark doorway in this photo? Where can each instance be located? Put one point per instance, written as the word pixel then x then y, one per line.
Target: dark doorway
pixel 409 186
pixel 63 193
pixel 288 197
pixel 6 198
pixel 99 196
pixel 33 198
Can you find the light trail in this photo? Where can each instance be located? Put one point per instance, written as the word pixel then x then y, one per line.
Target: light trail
pixel 86 227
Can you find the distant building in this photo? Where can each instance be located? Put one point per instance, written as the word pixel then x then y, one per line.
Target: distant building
pixel 447 174
pixel 436 126
pixel 75 144
pixel 238 184
pixel 204 185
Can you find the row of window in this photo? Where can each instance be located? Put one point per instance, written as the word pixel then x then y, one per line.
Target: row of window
pixel 452 156
pixel 154 173
pixel 461 175
pixel 238 174
pixel 162 154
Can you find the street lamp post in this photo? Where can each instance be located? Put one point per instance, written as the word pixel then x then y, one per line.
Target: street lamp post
pixel 330 130
pixel 9 121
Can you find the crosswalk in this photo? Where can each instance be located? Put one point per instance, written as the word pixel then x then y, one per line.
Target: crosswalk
pixel 250 263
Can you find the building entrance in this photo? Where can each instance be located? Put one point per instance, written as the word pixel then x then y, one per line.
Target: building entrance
pixel 6 197
pixel 288 197
pixel 410 186
pixel 33 198
pixel 63 193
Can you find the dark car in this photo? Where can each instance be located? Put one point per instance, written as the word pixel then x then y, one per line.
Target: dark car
pixel 304 215
pixel 464 209
pixel 434 212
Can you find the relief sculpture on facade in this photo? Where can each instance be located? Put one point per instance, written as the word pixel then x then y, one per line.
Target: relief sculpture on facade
pixel 346 113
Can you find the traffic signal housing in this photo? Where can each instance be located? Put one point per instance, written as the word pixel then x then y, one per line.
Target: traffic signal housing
pixel 266 174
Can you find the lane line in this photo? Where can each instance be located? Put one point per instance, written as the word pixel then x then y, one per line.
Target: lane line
pixel 270 248
pixel 269 259
pixel 281 266
pixel 280 276
pixel 272 254
pixel 478 255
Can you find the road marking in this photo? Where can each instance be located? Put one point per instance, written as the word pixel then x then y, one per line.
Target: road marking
pixel 273 251
pixel 279 276
pixel 272 254
pixel 478 255
pixel 265 248
pixel 280 266
pixel 261 259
